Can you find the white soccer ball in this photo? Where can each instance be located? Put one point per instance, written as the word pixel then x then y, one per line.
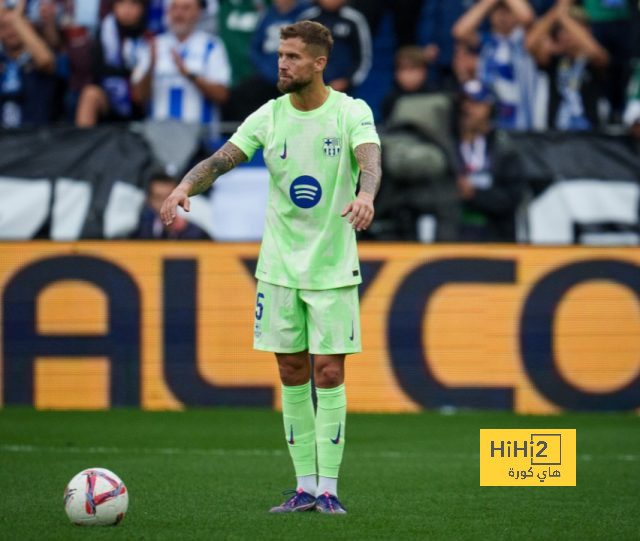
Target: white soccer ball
pixel 96 497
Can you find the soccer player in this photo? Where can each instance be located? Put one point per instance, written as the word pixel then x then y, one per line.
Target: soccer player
pixel 319 144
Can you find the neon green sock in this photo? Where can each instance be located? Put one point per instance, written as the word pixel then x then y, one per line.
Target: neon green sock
pixel 299 427
pixel 330 421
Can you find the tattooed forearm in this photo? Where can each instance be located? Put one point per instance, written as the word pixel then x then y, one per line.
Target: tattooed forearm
pixel 368 158
pixel 207 171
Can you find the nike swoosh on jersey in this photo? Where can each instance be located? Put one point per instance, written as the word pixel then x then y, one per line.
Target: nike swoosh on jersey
pixel 284 152
pixel 337 438
pixel 291 440
pixel 352 332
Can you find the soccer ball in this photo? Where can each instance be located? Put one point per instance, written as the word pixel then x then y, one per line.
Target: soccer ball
pixel 96 497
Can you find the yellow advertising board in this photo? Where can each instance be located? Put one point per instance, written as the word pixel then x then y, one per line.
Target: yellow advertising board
pixel 169 325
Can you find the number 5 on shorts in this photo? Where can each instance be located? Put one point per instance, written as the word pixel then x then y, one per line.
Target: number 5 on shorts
pixel 259 306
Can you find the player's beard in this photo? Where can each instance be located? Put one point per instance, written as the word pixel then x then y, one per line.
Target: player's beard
pixel 292 85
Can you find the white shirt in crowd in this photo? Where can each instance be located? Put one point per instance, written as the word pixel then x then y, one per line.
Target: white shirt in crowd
pixel 175 96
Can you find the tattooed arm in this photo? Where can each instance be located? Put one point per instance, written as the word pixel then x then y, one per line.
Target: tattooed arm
pixel 203 175
pixel 361 208
pixel 368 158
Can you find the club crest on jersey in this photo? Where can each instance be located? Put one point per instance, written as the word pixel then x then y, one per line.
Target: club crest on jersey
pixel 331 146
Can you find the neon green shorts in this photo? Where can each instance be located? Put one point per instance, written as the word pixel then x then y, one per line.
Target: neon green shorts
pixel 323 322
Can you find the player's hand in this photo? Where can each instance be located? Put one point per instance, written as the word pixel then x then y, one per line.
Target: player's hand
pixel 178 197
pixel 360 211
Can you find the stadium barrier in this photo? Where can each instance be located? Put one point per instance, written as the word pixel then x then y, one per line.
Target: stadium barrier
pixel 93 325
pixel 64 184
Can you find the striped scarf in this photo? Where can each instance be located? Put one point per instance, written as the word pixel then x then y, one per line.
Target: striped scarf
pixel 509 70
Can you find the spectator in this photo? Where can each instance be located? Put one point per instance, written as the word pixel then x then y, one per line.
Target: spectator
pixel 410 77
pixel 78 21
pixel 504 64
pixel 464 66
pixel 350 59
pixel 157 19
pixel 116 51
pixel 45 15
pixel 262 86
pixel 185 73
pixel 563 45
pixel 27 64
pixel 434 34
pixel 487 179
pixel 237 22
pixel 611 25
pixel 150 225
pixel 406 14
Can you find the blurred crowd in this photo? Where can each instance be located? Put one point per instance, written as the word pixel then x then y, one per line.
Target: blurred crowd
pixel 503 65
pixel 563 64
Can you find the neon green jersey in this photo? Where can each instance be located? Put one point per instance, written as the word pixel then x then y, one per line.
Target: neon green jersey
pixel 312 176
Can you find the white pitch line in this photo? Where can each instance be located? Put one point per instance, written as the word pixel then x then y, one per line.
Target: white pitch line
pixel 137 450
pixel 8 448
pixel 16 448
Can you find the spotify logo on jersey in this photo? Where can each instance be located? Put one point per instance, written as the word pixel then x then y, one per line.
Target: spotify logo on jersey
pixel 305 192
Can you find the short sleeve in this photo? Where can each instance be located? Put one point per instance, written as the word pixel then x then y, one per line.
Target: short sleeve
pixel 362 128
pixel 251 134
pixel 218 69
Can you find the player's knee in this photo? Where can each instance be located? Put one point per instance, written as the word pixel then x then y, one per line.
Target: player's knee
pixel 287 374
pixel 292 371
pixel 328 375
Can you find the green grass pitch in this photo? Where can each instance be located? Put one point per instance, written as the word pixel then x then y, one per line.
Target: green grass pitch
pixel 212 474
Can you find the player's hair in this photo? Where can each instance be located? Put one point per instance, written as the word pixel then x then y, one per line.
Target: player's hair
pixel 311 33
